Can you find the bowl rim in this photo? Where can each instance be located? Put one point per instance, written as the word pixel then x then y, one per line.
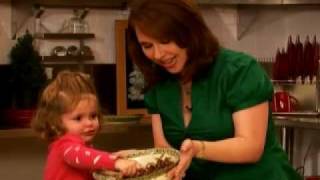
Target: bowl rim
pixel 116 175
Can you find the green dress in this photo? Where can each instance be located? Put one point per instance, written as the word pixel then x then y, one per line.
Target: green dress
pixel 235 81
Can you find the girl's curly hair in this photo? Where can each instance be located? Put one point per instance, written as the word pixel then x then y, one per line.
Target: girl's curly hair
pixel 62 95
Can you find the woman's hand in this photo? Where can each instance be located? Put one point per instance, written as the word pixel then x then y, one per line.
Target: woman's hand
pixel 187 152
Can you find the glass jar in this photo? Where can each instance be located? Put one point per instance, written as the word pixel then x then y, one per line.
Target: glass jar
pixel 76 24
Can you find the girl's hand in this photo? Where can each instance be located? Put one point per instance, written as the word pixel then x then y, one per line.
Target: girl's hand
pixel 186 155
pixel 127 167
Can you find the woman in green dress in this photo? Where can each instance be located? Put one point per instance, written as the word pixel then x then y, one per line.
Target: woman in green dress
pixel 209 102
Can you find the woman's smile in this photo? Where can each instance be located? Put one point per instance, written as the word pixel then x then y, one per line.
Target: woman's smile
pixel 168 63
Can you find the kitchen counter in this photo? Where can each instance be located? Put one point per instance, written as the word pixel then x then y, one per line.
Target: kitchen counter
pixel 297 122
pixel 119 127
pixel 107 128
pixel 288 123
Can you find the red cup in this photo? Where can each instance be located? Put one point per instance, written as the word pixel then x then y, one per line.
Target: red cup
pixel 283 102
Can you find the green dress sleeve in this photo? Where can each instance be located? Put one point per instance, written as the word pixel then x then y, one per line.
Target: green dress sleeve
pixel 247 84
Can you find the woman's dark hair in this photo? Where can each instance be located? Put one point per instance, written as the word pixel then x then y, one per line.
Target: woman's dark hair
pixel 171 20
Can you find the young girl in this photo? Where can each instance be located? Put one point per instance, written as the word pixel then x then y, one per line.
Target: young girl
pixel 68 117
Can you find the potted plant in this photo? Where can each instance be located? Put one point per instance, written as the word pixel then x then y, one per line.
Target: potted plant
pixel 27 79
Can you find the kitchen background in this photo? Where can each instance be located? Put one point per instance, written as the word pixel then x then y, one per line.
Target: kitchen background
pixel 256 29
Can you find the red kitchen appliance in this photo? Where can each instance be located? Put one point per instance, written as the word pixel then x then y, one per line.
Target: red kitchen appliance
pixel 284 102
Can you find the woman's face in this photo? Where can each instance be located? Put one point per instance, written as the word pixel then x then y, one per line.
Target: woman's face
pixel 82 120
pixel 166 54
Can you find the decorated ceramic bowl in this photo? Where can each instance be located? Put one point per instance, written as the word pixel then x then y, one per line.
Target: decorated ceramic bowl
pixel 156 162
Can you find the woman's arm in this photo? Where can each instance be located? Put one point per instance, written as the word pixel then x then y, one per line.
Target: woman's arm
pixel 158 136
pixel 246 146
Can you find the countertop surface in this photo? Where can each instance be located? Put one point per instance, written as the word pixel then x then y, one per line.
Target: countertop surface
pixel 107 127
pixel 310 120
pixel 294 121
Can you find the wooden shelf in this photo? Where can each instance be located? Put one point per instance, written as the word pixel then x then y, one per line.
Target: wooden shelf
pixel 65 36
pixel 67 58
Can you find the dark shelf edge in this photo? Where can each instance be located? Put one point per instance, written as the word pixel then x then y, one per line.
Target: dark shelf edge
pixel 66 58
pixel 65 36
pixel 119 4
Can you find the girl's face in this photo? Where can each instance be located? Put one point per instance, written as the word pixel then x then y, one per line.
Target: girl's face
pixel 166 54
pixel 82 120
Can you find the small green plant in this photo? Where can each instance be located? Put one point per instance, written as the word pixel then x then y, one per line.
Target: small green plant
pixel 28 75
